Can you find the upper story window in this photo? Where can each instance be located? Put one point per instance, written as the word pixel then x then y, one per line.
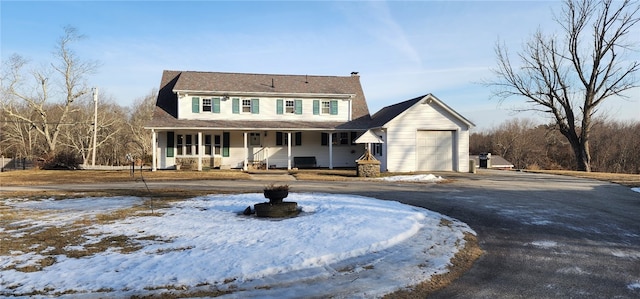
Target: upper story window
pixel 206 105
pixel 290 106
pixel 246 106
pixel 325 107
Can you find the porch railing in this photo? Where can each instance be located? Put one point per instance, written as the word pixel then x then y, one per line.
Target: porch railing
pixel 260 159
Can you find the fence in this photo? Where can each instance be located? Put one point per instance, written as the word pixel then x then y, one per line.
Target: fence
pixel 8 164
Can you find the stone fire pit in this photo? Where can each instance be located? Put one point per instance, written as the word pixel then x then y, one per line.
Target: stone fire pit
pixel 276 207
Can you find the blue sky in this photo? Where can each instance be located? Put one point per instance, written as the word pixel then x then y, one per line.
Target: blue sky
pixel 402 49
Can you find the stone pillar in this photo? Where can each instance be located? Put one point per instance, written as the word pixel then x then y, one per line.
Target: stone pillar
pixel 368 168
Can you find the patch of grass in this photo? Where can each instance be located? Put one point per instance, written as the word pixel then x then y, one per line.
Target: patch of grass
pixel 445 222
pixel 49 177
pixel 324 174
pixel 461 263
pixel 625 179
pixel 21 233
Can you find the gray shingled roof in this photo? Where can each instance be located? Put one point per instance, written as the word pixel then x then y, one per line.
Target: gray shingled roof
pixel 165 114
pixel 388 113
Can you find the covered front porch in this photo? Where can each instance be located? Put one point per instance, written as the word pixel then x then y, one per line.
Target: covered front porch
pixel 254 149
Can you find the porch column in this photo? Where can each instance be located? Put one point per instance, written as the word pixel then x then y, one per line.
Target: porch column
pixel 330 150
pixel 200 151
pixel 154 138
pixel 288 150
pixel 246 153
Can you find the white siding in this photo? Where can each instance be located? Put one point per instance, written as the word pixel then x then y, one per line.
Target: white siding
pixel 267 109
pixel 402 134
pixel 343 155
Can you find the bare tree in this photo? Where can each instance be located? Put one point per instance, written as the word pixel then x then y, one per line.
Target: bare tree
pixel 142 111
pixel 570 75
pixel 80 136
pixel 18 138
pixel 515 141
pixel 62 82
pixel 614 146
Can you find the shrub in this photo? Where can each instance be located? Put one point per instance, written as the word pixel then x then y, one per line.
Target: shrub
pixel 64 160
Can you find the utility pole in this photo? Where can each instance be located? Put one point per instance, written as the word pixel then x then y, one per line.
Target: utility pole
pixel 95 125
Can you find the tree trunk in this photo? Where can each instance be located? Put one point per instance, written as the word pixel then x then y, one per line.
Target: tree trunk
pixel 583 159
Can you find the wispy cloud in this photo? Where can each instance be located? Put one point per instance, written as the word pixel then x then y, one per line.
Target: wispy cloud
pixel 377 21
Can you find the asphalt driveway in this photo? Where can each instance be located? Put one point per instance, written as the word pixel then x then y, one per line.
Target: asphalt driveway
pixel 544 236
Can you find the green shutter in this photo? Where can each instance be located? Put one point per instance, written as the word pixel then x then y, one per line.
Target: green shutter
pixel 225 144
pixel 195 105
pixel 334 107
pixel 216 105
pixel 316 107
pixel 298 138
pixel 298 106
pixel 236 105
pixel 255 106
pixel 170 144
pixel 279 107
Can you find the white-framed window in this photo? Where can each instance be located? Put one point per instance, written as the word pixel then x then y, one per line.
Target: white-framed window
pixel 344 138
pixel 290 106
pixel 207 144
pixel 217 144
pixel 187 145
pixel 206 105
pixel 341 138
pixel 326 107
pixel 180 144
pixel 246 106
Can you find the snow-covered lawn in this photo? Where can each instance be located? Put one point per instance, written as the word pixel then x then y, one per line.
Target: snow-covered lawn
pixel 340 245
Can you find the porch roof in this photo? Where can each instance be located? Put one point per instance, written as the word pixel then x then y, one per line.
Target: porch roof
pixel 369 137
pixel 170 123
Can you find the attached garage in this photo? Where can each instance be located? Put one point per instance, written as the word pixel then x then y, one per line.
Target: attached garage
pixel 434 150
pixel 421 134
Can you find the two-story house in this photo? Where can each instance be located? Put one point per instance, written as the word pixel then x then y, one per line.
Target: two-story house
pixel 233 120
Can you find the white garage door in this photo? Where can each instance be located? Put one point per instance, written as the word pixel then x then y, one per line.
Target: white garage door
pixel 434 150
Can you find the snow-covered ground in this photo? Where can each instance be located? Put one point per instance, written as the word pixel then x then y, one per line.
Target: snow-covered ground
pixel 340 245
pixel 413 178
pixel 636 189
